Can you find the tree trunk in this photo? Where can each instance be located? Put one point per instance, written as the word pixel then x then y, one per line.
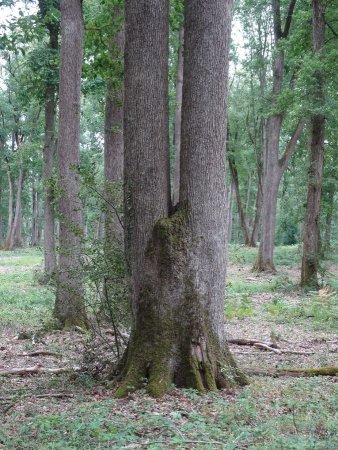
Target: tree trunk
pixel 329 215
pixel 69 305
pixel 178 120
pixel 241 213
pixel 113 172
pixel 258 212
pixel 311 245
pixel 273 167
pixel 35 238
pixel 10 210
pixel 248 195
pixel 177 263
pixel 1 219
pixel 229 208
pixel 48 150
pixel 14 238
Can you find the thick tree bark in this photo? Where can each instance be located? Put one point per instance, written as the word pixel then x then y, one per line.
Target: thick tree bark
pixel 177 263
pixel 69 305
pixel 178 120
pixel 311 244
pixel 273 167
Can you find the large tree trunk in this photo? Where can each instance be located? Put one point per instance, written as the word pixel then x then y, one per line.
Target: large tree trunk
pixel 177 263
pixel 178 120
pixel 311 245
pixel 69 305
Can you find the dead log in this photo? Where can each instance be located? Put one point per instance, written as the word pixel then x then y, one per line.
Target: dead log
pixel 305 372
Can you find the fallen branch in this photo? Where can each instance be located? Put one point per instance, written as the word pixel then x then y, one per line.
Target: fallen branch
pixel 266 347
pixel 36 369
pixel 251 342
pixel 272 347
pixel 19 397
pixel 40 352
pixel 309 372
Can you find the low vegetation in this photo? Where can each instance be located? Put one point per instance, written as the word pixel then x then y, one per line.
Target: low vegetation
pixel 75 410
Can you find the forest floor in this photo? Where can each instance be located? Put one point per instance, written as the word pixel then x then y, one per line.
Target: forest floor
pixel 74 410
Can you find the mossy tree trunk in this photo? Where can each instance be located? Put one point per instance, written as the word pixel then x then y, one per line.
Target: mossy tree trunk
pixel 311 247
pixel 69 305
pixel 177 262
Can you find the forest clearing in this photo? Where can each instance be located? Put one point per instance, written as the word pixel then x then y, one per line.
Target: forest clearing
pixel 75 410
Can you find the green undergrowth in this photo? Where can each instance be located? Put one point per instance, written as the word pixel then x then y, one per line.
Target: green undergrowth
pixel 23 301
pixel 317 312
pixel 286 255
pixel 268 414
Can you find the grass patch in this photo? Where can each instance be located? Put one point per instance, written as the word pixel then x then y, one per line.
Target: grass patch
pixel 286 255
pixel 318 311
pixel 23 302
pixel 238 306
pixel 269 414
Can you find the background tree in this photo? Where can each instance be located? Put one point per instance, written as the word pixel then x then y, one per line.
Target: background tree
pixel 312 220
pixel 69 304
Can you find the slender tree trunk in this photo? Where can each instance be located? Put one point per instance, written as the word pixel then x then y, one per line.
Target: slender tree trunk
pixel 69 305
pixel 248 195
pixel 177 263
pixel 113 172
pixel 311 245
pixel 329 215
pixel 178 120
pixel 258 212
pixel 241 213
pixel 14 238
pixel 35 215
pixel 1 219
pixel 274 167
pixel 10 210
pixel 49 145
pixel 48 163
pixel 229 208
